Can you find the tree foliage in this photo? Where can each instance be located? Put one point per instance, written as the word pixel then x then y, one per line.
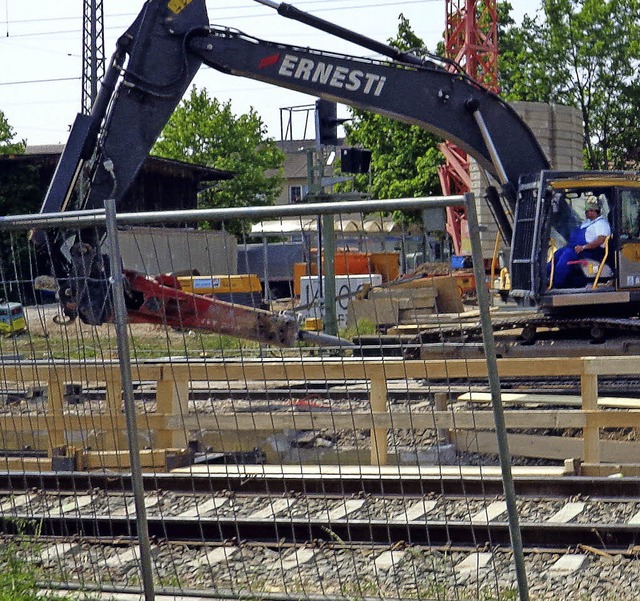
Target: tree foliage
pixel 206 132
pixel 19 184
pixel 405 158
pixel 7 135
pixel 582 53
pixel 20 193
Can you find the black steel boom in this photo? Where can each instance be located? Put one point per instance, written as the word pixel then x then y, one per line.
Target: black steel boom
pixel 169 41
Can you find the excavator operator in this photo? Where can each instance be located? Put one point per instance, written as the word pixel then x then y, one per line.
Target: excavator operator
pixel 585 242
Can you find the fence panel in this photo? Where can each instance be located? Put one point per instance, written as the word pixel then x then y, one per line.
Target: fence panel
pixel 269 470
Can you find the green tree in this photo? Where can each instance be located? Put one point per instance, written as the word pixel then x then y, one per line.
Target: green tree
pixel 20 193
pixel 405 158
pixel 7 145
pixel 582 53
pixel 19 189
pixel 206 132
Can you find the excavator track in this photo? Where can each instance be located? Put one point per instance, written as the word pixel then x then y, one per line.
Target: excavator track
pixel 598 327
pixel 530 336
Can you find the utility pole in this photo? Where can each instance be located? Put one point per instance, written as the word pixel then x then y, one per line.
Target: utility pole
pixel 93 62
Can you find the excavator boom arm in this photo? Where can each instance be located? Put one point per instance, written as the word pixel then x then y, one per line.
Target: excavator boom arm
pixel 169 41
pixel 154 64
pixel 426 96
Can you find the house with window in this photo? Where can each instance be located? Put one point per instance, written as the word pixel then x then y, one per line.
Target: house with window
pixel 295 170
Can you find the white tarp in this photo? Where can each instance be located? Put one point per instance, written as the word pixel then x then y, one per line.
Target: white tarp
pixel 293 225
pixel 290 225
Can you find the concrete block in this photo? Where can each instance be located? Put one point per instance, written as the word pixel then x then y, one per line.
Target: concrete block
pixel 15 503
pixel 490 513
pixel 342 510
pixel 295 560
pixel 74 504
pixel 273 508
pixel 567 564
pixel 216 556
pixel 204 508
pixel 415 512
pixel 635 519
pixel 472 565
pixel 131 555
pixel 567 513
pixel 56 552
pixel 388 561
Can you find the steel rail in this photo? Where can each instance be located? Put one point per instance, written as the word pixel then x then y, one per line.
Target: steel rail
pixel 97 217
pixel 605 537
pixel 311 483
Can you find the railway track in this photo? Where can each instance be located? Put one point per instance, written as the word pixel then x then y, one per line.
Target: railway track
pixel 217 534
pixel 531 335
pixel 607 519
pixel 615 538
pixel 343 481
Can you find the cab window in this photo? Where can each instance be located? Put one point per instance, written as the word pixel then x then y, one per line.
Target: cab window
pixel 629 214
pixel 568 210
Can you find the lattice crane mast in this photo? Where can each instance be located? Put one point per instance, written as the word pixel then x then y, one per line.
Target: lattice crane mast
pixel 471 41
pixel 92 52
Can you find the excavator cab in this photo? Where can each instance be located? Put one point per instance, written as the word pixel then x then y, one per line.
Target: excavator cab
pixel 550 206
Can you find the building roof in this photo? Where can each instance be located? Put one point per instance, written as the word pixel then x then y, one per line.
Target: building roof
pixel 52 152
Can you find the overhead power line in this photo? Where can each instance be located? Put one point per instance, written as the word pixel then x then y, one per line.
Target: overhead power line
pixel 30 81
pixel 327 5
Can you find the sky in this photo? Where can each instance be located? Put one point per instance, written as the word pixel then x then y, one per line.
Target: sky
pixel 41 54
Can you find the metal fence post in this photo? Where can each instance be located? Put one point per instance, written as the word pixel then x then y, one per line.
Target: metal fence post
pixel 496 399
pixel 124 358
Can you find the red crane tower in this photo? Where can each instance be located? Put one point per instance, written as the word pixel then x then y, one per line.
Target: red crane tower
pixel 471 40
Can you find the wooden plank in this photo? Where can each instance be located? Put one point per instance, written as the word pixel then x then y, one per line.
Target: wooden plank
pixel 379 312
pixel 414 314
pixel 70 372
pixel 427 282
pixel 448 299
pixel 27 464
pixel 156 458
pixel 609 366
pixel 404 294
pixel 591 431
pixel 524 398
pixel 59 423
pixel 365 420
pixel 172 398
pixel 56 405
pixel 381 472
pixel 548 447
pixel 464 318
pixel 604 470
pixel 378 401
pixel 73 422
pixel 348 368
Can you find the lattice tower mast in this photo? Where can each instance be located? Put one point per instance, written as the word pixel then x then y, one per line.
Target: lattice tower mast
pixel 471 40
pixel 93 62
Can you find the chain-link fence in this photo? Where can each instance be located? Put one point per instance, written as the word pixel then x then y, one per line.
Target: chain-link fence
pixel 195 412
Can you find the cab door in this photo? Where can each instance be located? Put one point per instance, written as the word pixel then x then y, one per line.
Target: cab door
pixel 628 264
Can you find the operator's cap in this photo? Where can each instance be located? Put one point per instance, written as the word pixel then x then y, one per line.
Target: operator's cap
pixel 592 202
